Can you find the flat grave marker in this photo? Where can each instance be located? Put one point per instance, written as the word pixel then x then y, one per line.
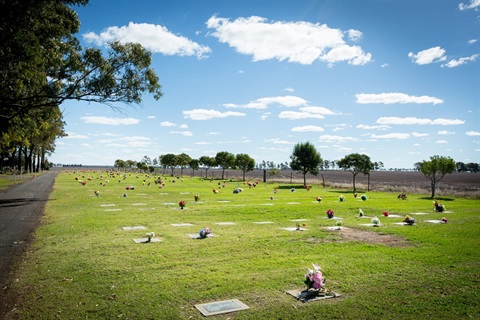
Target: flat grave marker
pixel 264 222
pixel 134 228
pixel 303 295
pixel 220 307
pixel 112 210
pixel 144 240
pixel 295 229
pixel 225 223
pixel 182 224
pixel 197 236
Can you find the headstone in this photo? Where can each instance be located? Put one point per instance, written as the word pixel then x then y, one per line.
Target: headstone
pixel 225 223
pixel 139 204
pixel 264 222
pixel 112 210
pixel 299 220
pixel 219 307
pixel 182 224
pixel 108 205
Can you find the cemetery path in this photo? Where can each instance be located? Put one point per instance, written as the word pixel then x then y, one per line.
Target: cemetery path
pixel 21 210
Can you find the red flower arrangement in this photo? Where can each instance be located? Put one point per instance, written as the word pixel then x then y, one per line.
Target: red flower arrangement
pixel 385 213
pixel 330 213
pixel 182 204
pixel 444 220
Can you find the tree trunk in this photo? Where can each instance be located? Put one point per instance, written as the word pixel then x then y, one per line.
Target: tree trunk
pixel 354 188
pixel 433 189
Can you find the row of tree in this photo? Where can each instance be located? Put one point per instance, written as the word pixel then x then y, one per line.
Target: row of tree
pixel 305 159
pixel 43 65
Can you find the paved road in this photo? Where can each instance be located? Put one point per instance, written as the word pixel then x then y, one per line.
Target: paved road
pixel 21 210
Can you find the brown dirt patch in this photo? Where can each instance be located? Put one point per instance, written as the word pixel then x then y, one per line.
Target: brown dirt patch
pixel 365 236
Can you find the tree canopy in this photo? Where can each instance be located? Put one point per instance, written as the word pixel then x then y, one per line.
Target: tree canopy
pixel 435 169
pixel 305 159
pixel 42 65
pixel 245 163
pixel 356 163
pixel 225 160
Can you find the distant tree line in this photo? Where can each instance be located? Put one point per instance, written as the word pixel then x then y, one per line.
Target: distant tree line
pixel 304 159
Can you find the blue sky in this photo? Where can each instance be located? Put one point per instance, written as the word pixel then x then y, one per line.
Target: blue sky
pixel 396 80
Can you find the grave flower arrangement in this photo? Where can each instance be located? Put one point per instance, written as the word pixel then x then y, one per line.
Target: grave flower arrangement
pixel 314 278
pixel 341 198
pixel 444 220
pixel 319 199
pixel 196 197
pixel 375 222
pixel 204 232
pixel 385 213
pixel 330 213
pixel 182 204
pixel 360 212
pixel 409 220
pixel 150 235
pixel 299 227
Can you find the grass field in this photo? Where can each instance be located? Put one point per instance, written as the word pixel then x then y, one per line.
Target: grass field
pixel 83 265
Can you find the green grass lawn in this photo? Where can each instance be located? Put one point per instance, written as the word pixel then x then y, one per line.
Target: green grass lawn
pixel 83 265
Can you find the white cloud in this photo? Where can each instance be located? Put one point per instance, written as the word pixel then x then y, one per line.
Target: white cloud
pixel 390 136
pixel 265 115
pixel 331 138
pixel 419 135
pixel 445 132
pixel 110 121
pixel 472 133
pixel 472 5
pixel 73 135
pixel 428 56
pixel 151 117
pixel 278 141
pixel 289 89
pixel 417 121
pixel 263 103
pixel 441 141
pixel 183 126
pixel 203 143
pixel 295 115
pixel 384 65
pixel 472 41
pixel 153 37
pixel 354 35
pixel 367 127
pixel 184 133
pixel 167 124
pixel 307 129
pixel 394 97
pixel 299 42
pixel 317 110
pixel 458 62
pixel 204 114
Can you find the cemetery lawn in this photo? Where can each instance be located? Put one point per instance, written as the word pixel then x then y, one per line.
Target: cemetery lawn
pixel 83 265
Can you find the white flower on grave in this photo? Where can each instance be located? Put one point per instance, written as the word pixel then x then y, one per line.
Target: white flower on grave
pixel 150 235
pixel 376 221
